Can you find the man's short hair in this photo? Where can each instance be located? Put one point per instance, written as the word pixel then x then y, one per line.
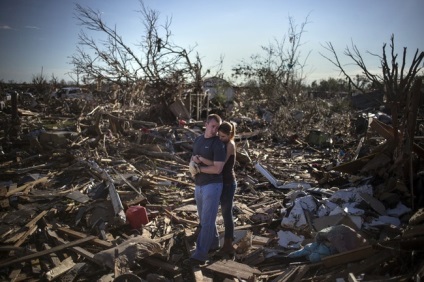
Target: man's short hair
pixel 215 117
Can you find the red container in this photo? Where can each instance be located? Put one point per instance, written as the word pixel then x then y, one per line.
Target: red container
pixel 137 216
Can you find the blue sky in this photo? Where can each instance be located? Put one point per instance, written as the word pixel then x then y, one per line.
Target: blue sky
pixel 40 35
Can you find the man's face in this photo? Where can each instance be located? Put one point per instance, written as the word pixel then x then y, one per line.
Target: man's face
pixel 211 128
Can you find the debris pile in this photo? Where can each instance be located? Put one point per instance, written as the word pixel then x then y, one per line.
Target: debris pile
pixel 90 193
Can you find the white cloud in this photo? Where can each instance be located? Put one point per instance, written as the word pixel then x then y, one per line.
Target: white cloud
pixel 32 27
pixel 5 27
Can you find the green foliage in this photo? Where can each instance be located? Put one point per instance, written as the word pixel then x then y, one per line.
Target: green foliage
pixel 330 85
pixel 219 99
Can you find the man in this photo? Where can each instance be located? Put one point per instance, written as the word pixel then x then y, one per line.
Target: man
pixel 208 186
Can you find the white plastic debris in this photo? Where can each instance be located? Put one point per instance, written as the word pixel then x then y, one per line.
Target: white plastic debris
pixel 308 203
pixel 288 239
pixel 350 195
pixel 296 218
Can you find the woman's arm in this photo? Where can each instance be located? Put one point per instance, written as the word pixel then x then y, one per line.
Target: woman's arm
pixel 231 150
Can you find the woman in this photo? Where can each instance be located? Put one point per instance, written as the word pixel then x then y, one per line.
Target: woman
pixel 226 133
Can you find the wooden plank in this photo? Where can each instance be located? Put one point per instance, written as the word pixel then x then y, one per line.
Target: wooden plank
pixel 181 220
pixel 31 227
pixel 350 256
pixel 53 257
pixel 26 186
pixel 301 272
pixel 163 177
pixel 46 252
pixel 21 237
pixel 234 269
pixel 387 132
pixel 287 275
pixel 72 274
pixel 370 262
pixel 198 275
pixel 79 235
pixel 260 240
pixel 14 274
pixel 76 249
pixel 351 278
pixel 64 266
pixel 354 166
pixel 138 191
pixel 197 272
pixel 9 248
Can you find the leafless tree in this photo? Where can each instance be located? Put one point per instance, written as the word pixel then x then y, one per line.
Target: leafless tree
pixel 397 82
pixel 39 81
pixel 278 71
pixel 154 61
pixel 401 85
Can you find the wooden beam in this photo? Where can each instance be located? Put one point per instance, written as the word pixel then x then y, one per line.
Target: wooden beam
pixel 77 249
pixel 181 220
pixel 64 266
pixel 387 132
pixel 80 235
pixel 46 252
pixel 26 186
pixel 350 256
pixel 234 269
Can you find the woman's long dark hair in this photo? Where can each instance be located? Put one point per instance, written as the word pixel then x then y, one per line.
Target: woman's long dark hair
pixel 228 128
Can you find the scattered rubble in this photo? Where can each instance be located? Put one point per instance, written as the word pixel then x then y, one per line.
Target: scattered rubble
pixel 315 206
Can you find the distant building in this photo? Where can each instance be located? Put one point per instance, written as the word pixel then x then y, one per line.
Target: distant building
pixel 215 85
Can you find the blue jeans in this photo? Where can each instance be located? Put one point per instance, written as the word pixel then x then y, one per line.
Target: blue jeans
pixel 227 200
pixel 207 200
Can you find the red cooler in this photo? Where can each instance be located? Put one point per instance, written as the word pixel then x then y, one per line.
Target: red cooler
pixel 137 216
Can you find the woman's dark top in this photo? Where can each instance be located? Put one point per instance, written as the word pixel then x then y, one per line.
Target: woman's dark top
pixel 228 173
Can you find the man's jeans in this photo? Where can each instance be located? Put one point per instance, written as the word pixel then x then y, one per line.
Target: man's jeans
pixel 227 200
pixel 207 200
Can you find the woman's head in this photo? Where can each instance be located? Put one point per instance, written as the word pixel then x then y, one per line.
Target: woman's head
pixel 226 131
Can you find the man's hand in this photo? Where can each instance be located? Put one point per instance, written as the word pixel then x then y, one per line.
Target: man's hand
pixel 193 168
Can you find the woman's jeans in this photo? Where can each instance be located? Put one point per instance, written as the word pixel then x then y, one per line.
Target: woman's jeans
pixel 207 200
pixel 227 200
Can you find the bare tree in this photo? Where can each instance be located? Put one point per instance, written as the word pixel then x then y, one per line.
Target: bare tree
pixel 390 80
pixel 39 81
pixel 277 72
pixel 402 89
pixel 155 60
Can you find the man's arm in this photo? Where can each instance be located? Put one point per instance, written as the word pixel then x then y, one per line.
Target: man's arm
pixel 199 159
pixel 215 168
